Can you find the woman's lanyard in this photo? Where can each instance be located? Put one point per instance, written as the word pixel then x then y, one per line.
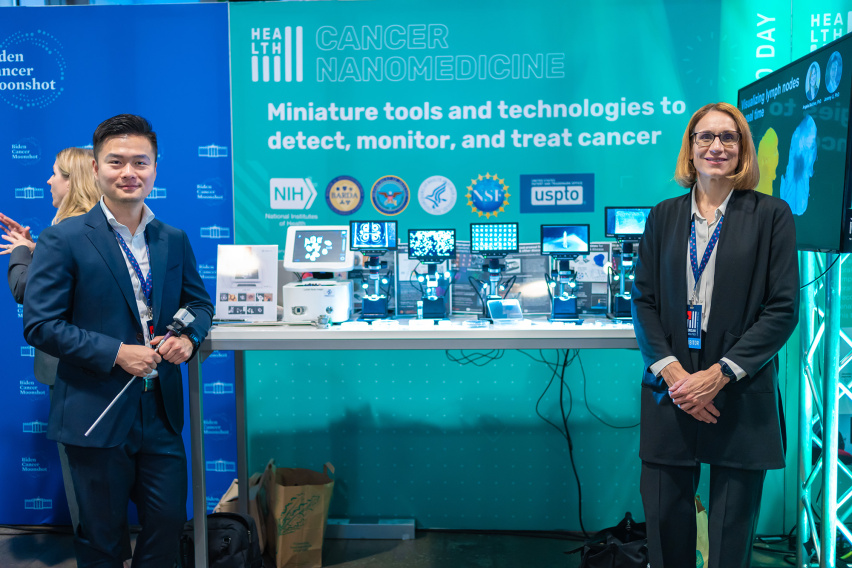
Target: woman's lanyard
pixel 693 311
pixel 145 282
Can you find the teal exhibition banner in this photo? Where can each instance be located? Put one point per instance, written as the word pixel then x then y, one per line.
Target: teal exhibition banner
pixel 443 113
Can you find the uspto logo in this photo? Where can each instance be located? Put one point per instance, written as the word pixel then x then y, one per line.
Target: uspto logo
pixel 32 69
pixel 390 195
pixel 487 195
pixel 344 195
pixel 437 195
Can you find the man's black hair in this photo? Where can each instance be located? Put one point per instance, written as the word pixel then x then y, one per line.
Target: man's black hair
pixel 123 125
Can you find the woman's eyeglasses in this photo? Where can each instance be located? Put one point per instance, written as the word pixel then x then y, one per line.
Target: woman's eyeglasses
pixel 706 138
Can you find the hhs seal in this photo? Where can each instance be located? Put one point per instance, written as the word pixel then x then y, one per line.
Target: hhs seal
pixel 390 195
pixel 437 195
pixel 344 195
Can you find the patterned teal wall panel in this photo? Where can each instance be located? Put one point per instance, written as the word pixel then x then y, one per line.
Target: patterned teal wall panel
pixel 413 434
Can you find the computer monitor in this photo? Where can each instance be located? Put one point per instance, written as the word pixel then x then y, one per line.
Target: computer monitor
pixel 565 241
pixel 372 237
pixel 625 223
pixel 321 248
pixel 431 246
pixel 493 239
pixel 799 121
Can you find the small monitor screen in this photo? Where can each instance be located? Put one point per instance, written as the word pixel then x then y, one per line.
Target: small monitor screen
pixel 493 239
pixel 625 222
pixel 799 120
pixel 318 249
pixel 376 236
pixel 564 240
pixel 432 245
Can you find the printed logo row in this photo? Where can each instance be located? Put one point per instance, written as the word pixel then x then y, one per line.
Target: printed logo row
pixel 487 195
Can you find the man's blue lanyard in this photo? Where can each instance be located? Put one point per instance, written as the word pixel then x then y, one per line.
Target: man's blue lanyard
pixel 697 270
pixel 146 283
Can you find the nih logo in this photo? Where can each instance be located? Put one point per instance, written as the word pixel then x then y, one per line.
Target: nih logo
pixel 266 54
pixel 291 193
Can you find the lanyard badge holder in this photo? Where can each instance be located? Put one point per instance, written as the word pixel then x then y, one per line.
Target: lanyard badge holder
pixel 693 311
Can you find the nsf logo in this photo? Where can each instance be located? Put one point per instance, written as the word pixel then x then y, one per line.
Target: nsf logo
pixel 267 56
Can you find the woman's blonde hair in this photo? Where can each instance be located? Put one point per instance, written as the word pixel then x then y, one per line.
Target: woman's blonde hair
pixel 75 164
pixel 747 173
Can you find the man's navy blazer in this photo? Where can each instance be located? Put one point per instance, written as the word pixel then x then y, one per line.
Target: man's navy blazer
pixel 80 306
pixel 755 307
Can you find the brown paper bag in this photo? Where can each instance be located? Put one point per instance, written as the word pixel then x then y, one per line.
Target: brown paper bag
pixel 257 501
pixel 298 511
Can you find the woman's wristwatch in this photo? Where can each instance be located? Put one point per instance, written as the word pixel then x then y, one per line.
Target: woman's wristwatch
pixel 727 371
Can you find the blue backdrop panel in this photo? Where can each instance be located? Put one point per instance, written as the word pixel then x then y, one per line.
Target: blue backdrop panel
pixel 63 70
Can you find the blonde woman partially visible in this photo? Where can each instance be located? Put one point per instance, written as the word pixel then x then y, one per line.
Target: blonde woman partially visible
pixel 74 192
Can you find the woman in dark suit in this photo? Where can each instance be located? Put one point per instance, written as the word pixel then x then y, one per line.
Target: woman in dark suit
pixel 715 297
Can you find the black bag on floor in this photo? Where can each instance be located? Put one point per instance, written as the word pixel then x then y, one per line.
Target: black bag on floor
pixel 231 542
pixel 623 546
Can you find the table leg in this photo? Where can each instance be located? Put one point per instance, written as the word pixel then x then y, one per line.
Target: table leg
pixel 199 491
pixel 242 440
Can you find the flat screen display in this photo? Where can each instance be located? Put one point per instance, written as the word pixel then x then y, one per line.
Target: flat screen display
pixel 564 240
pixel 625 222
pixel 431 245
pixel 377 236
pixel 799 118
pixel 493 239
pixel 318 249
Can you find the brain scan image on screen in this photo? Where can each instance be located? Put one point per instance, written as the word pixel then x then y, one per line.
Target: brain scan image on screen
pixel 431 244
pixel 630 221
pixel 767 161
pixel 370 234
pixel 795 183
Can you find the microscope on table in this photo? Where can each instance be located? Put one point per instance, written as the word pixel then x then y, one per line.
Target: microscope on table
pixel 432 247
pixel 625 225
pixel 563 243
pixel 493 241
pixel 373 239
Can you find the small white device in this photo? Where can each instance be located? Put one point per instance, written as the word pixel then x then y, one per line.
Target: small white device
pixel 306 302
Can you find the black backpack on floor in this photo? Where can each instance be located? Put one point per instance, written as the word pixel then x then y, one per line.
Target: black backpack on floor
pixel 232 542
pixel 621 546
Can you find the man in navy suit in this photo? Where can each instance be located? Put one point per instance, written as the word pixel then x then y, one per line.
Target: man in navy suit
pixel 102 288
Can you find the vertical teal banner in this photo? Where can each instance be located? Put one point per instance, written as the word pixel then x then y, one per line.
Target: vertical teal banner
pixel 754 41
